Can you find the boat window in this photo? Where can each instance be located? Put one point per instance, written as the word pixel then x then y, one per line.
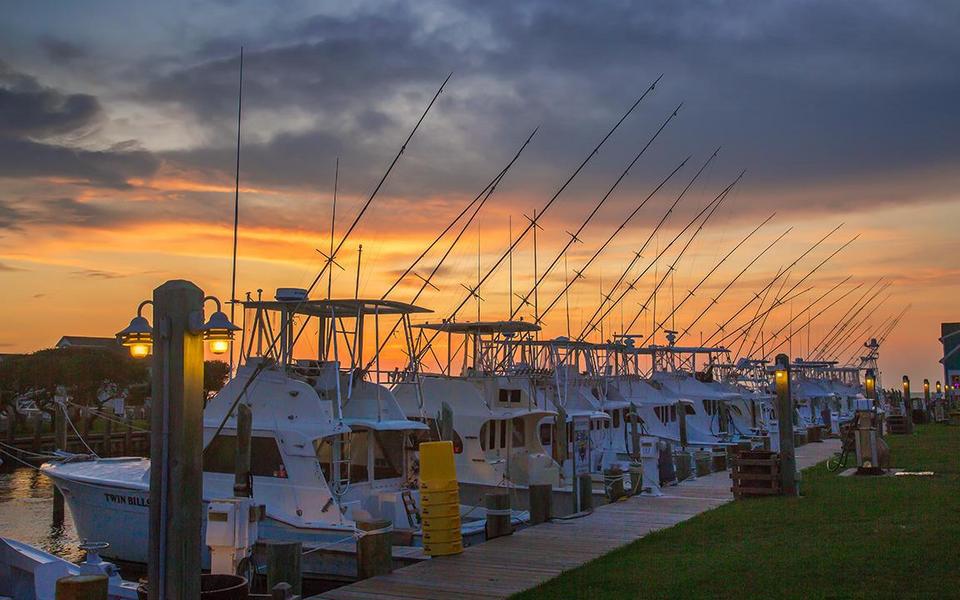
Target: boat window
pixel 488 436
pixel 546 434
pixel 507 395
pixel 387 454
pixel 503 434
pixel 689 409
pixel 735 410
pixel 616 418
pixel 606 423
pixel 519 437
pixel 265 459
pixel 432 434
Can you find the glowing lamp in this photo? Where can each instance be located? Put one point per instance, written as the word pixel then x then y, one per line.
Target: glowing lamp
pixel 137 336
pixel 218 330
pixel 870 384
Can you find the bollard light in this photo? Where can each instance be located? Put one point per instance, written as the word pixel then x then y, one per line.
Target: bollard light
pixel 939 388
pixel 218 330
pixel 870 384
pixel 138 335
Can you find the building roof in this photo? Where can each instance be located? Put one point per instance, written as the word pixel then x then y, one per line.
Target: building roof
pixel 81 341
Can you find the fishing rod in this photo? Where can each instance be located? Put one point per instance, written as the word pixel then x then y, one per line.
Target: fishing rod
pixel 763 323
pixel 756 313
pixel 893 325
pixel 481 197
pixel 575 237
pixel 479 204
pixel 887 331
pixel 330 259
pixel 844 345
pixel 472 292
pixel 843 320
pixel 742 329
pixel 756 295
pixel 578 273
pixel 236 208
pixel 639 254
pixel 810 319
pixel 672 268
pixel 847 321
pixel 709 209
pixel 713 301
pixel 692 291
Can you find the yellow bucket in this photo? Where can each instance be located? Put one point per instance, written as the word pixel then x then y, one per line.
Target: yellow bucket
pixel 438 498
pixel 436 462
pixel 451 509
pixel 442 535
pixel 439 485
pixel 442 548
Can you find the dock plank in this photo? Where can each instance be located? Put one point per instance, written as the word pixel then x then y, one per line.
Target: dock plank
pixel 505 566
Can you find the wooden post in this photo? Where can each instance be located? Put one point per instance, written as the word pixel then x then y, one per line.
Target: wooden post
pixel 374 550
pixel 446 422
pixel 107 436
pixel 242 481
pixel 541 503
pixel 682 419
pixel 907 404
pixel 176 471
pixel 82 587
pixel 585 486
pixel 283 563
pixel 60 439
pixel 498 514
pixel 127 435
pixel 788 457
pixel 37 431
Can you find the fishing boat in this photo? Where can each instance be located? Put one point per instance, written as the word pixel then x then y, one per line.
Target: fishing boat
pixel 330 443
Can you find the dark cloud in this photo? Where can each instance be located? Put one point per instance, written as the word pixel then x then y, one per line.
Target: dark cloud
pixel 28 109
pixel 97 274
pixel 60 50
pixel 34 117
pixel 26 158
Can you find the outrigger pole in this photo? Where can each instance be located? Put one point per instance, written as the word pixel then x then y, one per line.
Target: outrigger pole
pixel 692 291
pixel 713 301
pixel 601 313
pixel 844 345
pixel 263 364
pixel 575 237
pixel 236 208
pixel 847 319
pixel 756 295
pixel 578 273
pixel 639 254
pixel 533 222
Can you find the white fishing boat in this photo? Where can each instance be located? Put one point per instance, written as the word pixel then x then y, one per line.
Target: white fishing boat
pixel 330 443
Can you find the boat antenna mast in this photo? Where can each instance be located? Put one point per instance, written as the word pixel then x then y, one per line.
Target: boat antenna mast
pixel 236 209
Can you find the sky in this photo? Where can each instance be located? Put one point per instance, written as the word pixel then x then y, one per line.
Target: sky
pixel 118 124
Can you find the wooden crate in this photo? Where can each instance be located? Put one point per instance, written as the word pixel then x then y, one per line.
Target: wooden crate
pixel 755 473
pixel 897 424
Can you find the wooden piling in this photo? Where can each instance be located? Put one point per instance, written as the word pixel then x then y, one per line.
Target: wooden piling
pixel 60 439
pixel 176 446
pixel 498 514
pixel 585 486
pixel 37 431
pixel 374 550
pixel 82 587
pixel 283 563
pixel 541 503
pixel 242 481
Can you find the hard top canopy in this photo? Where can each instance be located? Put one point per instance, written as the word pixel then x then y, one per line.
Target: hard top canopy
pixel 348 307
pixel 481 327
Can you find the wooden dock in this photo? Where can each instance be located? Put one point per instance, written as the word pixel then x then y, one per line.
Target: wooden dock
pixel 508 565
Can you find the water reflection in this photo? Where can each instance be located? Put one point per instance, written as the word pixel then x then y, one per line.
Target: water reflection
pixel 26 513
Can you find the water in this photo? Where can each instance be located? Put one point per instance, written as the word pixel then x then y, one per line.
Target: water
pixel 26 513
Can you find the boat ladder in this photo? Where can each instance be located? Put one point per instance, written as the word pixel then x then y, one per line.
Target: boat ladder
pixel 341 466
pixel 410 506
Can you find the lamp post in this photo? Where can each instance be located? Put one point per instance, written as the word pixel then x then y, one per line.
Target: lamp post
pixel 788 459
pixel 907 404
pixel 176 441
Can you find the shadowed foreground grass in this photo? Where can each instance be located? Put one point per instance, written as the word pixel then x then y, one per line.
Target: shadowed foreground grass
pixel 890 537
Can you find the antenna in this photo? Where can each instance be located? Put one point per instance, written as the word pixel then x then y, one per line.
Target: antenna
pixel 236 208
pixel 333 223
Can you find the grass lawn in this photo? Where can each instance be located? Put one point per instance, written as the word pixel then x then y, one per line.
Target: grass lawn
pixel 846 537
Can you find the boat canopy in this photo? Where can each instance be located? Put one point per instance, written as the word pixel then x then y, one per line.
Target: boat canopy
pixel 341 308
pixel 386 425
pixel 481 327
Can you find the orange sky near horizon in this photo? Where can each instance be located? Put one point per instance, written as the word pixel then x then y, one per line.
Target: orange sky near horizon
pixel 83 280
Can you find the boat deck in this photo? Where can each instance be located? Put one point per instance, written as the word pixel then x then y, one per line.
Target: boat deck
pixel 508 565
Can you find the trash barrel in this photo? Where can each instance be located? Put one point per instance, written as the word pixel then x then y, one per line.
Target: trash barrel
pixel 440 499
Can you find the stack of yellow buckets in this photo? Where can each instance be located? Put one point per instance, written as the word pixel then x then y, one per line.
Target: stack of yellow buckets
pixel 440 499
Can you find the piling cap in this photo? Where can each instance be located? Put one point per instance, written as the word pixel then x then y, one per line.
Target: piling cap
pixel 436 461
